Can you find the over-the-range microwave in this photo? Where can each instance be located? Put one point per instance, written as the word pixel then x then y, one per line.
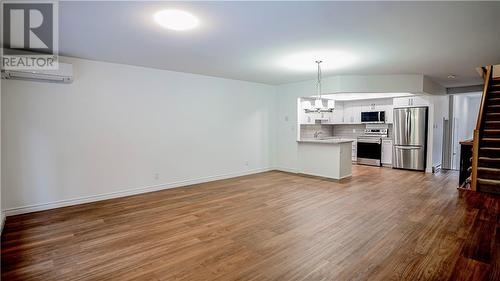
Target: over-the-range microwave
pixel 373 117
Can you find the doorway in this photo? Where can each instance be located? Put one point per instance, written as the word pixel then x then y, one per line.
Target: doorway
pixel 465 109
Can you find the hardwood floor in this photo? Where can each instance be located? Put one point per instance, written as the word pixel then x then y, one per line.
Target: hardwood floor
pixel 381 224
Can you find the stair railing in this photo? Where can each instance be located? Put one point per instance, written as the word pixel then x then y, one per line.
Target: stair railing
pixel 487 75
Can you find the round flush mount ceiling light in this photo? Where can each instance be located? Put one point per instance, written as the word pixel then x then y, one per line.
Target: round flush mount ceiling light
pixel 304 61
pixel 176 19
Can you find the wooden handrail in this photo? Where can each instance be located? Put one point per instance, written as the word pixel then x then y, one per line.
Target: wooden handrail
pixel 487 77
pixel 479 125
pixel 485 73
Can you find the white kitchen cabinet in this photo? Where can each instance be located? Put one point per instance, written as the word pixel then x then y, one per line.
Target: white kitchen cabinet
pixel 371 106
pixel 338 113
pixel 324 117
pixel 389 114
pixel 411 101
pixel 354 151
pixel 307 118
pixel 386 152
pixel 352 114
pixel 401 102
pixel 302 117
pixel 357 114
pixel 347 114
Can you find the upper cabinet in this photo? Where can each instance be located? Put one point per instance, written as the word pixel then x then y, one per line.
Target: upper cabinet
pixel 389 113
pixel 352 113
pixel 349 112
pixel 411 101
pixel 337 116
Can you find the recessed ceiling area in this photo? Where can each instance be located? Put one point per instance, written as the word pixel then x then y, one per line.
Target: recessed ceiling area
pixel 267 41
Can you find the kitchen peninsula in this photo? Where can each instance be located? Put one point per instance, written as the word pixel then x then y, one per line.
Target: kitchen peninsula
pixel 328 157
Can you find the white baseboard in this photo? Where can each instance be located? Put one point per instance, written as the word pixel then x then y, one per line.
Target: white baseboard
pixel 288 170
pixel 2 219
pixel 127 192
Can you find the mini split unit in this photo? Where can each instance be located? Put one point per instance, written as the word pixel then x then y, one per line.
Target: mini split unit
pixel 64 74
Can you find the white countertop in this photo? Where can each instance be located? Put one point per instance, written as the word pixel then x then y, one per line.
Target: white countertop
pixel 326 140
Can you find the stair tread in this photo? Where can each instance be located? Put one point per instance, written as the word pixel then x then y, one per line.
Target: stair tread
pixel 492 113
pixel 490 148
pixel 492 121
pixel 491 139
pixel 489 159
pixel 488 181
pixel 488 169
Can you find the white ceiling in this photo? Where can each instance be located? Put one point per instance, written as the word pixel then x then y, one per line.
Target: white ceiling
pixel 248 40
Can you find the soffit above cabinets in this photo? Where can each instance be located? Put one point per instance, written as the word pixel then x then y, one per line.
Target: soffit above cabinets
pixel 364 96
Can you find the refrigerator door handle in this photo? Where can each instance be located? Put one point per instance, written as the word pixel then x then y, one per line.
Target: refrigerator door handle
pixel 408 147
pixel 410 133
pixel 407 133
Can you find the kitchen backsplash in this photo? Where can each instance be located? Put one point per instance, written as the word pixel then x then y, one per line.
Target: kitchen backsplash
pixel 342 130
pixel 307 131
pixel 355 130
pixel 349 131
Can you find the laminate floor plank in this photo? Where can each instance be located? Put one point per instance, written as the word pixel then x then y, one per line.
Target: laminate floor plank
pixel 381 224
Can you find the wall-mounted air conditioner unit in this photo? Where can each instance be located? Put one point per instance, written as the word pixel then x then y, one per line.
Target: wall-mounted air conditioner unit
pixel 62 75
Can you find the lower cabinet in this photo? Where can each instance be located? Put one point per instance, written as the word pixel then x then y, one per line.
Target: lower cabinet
pixel 354 151
pixel 386 152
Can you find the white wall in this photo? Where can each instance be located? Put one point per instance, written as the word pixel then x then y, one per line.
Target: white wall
pixel 474 102
pixel 2 214
pixel 116 126
pixel 465 112
pixel 439 111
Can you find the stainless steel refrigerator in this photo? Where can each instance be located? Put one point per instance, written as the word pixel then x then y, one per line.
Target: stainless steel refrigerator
pixel 410 138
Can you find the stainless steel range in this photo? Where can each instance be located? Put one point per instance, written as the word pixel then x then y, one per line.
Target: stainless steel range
pixel 369 150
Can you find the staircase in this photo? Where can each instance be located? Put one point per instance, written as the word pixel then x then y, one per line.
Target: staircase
pixel 486 148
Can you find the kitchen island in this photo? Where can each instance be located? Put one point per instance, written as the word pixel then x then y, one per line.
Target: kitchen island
pixel 329 157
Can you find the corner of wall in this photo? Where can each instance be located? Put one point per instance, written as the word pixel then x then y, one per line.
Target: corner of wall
pixel 2 213
pixel 433 88
pixel 273 140
pixel 2 222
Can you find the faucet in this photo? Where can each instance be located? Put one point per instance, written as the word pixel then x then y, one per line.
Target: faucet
pixel 317 133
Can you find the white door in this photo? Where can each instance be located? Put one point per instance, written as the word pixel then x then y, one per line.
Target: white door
pixel 348 114
pixel 356 114
pixel 389 114
pixel 338 113
pixel 455 150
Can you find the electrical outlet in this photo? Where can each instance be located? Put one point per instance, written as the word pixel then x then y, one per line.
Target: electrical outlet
pixel 246 163
pixel 286 118
pixel 157 176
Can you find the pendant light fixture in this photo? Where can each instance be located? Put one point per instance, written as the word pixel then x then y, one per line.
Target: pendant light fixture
pixel 318 103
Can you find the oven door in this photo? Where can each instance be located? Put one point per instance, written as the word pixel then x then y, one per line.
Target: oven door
pixel 369 152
